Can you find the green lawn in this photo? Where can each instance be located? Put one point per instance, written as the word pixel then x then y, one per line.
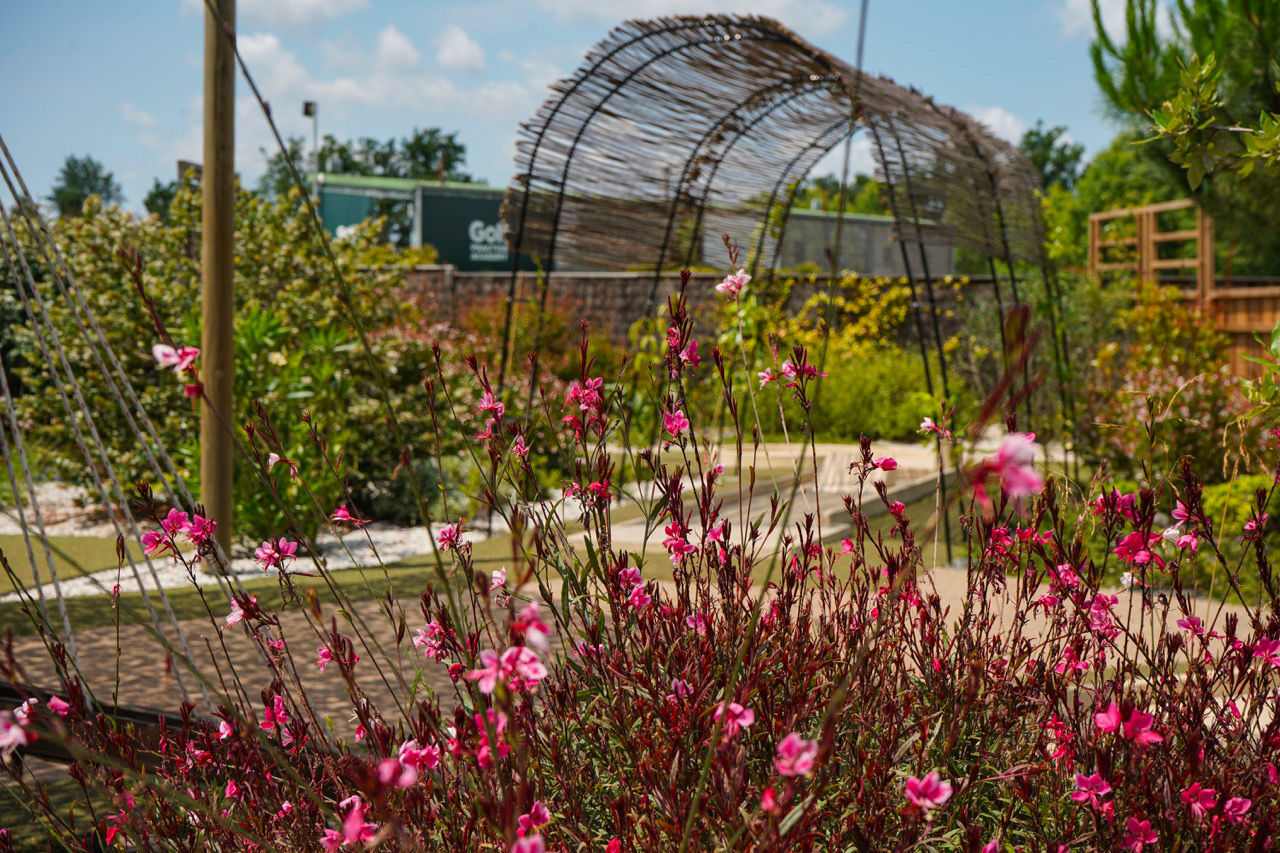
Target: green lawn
pixel 72 557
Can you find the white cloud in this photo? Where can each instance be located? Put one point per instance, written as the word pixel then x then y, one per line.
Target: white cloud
pixel 861 160
pixel 286 14
pixel 1076 17
pixel 814 18
pixel 135 116
pixel 1002 123
pixel 458 50
pixel 395 51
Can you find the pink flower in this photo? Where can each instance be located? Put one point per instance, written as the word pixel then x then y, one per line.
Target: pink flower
pixel 680 690
pixel 1015 462
pixel 271 555
pixel 232 791
pixel 530 624
pixel 448 537
pixel 928 793
pixel 1236 808
pixel 1138 833
pixel 639 599
pixel 498 579
pixel 675 422
pixel 224 730
pixel 1090 788
pixel 201 529
pixel 927 425
pixel 489 673
pixel 846 546
pixel 412 755
pixel 887 463
pixel 179 359
pixel 331 840
pixel 1192 624
pixel 342 514
pixel 796 756
pixel 735 717
pixel 238 611
pixel 1267 650
pixel 1140 727
pixel 12 735
pixel 1199 799
pixel 392 771
pixel 733 284
pixel 274 714
pixel 58 706
pixel 323 657
pixel 526 670
pixel 175 522
pixel 354 828
pixel 519 447
pixel 155 542
pixel 766 376
pixel 697 621
pixel 529 844
pixel 536 817
pixel 488 403
pixel 432 638
pixel 689 355
pixel 768 800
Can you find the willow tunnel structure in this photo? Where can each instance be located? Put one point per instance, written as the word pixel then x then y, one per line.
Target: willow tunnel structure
pixel 673 129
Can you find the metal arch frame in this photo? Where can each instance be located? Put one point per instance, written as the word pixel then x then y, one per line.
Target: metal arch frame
pixel 788 171
pixel 765 34
pixel 798 80
pixel 578 80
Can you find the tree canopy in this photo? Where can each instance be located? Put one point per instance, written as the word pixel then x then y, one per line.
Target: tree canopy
pixel 428 154
pixel 1207 85
pixel 1054 155
pixel 80 178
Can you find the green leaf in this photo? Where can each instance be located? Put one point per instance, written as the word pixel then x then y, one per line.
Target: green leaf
pixel 1275 340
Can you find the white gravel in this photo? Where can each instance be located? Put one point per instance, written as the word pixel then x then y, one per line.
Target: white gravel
pixel 392 544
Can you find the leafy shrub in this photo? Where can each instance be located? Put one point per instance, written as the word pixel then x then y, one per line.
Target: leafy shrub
pixel 296 353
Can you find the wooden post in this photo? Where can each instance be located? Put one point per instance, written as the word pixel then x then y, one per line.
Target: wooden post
pixel 217 318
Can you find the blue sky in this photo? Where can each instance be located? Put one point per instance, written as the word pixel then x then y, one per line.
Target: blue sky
pixel 122 81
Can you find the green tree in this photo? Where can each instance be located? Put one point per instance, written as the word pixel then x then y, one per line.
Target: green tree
pixel 1121 175
pixel 159 198
pixel 822 192
pixel 1055 158
pixel 1207 84
pixel 80 178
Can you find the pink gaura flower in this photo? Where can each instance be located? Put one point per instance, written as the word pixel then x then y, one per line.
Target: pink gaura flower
pixel 1200 800
pixel 529 844
pixel 274 459
pixel 887 463
pixel 58 706
pixel 697 621
pixel 12 735
pixel 519 447
pixel 342 514
pixel 1015 463
pixel 154 542
pixel 928 793
pixel 1192 624
pixel 239 610
pixel 395 773
pixel 796 756
pixel 529 624
pixel 355 830
pixel 1138 833
pixel 274 714
pixel 489 673
pixel 271 555
pixel 488 403
pixel 324 657
pixel 536 817
pixel 448 537
pixel 423 757
pixel 1236 808
pixel 1267 650
pixel 689 355
pixel 1139 727
pixel 498 579
pixel 680 690
pixel 768 800
pixel 201 529
pixel 766 376
pixel 733 284
pixel 675 423
pixel 1090 788
pixel 927 425
pixel 846 546
pixel 179 359
pixel 232 791
pixel 639 599
pixel 735 717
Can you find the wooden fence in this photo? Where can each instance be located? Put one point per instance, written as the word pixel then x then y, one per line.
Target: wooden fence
pixel 1130 240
